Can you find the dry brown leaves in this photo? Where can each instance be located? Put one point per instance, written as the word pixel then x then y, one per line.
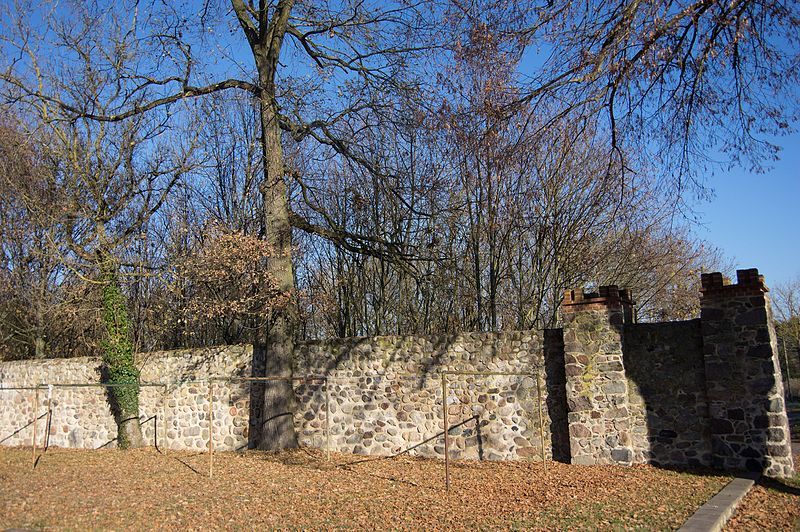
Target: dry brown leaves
pixel 144 489
pixel 770 505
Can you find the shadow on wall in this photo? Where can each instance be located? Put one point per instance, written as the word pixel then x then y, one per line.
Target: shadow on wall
pixel 555 381
pixel 256 396
pixel 667 393
pixel 401 352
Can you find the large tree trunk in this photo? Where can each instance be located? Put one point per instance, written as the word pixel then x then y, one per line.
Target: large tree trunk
pixel 265 34
pixel 277 431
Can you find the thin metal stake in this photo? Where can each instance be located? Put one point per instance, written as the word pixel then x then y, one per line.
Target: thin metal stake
pixel 541 420
pixel 49 422
pixel 210 432
pixel 327 420
pixel 788 373
pixel 164 417
pixel 35 418
pixel 446 435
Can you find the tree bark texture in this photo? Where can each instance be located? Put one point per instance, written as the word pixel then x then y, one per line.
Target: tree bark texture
pixel 277 430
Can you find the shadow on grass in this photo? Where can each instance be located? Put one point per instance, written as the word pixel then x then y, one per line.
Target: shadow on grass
pixel 791 486
pixel 186 464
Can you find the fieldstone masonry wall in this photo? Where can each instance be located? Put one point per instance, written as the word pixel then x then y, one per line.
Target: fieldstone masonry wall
pixel 597 389
pixel 667 393
pixel 386 395
pixel 749 426
pixel 701 392
pixel 174 414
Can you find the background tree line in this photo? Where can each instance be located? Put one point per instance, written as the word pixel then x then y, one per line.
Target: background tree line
pixel 467 208
pixel 181 175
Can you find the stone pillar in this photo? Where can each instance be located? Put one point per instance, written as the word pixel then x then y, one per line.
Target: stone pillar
pixel 749 427
pixel 597 390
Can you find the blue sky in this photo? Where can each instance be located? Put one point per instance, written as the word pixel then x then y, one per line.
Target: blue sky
pixel 755 218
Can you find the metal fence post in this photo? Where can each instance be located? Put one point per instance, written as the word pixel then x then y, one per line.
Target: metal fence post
pixel 49 417
pixel 210 431
pixel 446 431
pixel 541 420
pixel 35 419
pixel 327 419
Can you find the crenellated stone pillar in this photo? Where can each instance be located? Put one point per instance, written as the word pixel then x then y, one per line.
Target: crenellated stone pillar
pixel 597 389
pixel 749 426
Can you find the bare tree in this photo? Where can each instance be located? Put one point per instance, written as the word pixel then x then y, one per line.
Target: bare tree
pixel 679 78
pixel 328 80
pixel 103 181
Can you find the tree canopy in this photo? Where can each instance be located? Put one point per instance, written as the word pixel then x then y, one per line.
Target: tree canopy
pixel 257 171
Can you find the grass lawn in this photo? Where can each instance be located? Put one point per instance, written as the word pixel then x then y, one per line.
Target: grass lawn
pixel 774 505
pixel 144 489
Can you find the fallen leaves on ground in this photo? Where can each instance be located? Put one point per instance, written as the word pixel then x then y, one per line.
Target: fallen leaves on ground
pixel 144 489
pixel 770 505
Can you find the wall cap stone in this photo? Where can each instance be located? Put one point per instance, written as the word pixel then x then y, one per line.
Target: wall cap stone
pixel 748 283
pixel 607 295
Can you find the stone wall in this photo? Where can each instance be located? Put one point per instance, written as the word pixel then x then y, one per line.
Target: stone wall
pixel 669 415
pixel 174 415
pixel 602 390
pixel 384 395
pixel 749 426
pixel 704 392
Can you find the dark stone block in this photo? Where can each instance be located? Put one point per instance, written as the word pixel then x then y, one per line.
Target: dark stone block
pixel 776 434
pixel 761 422
pixel 721 426
pixel 736 414
pixel 760 351
pixel 762 386
pixel 775 405
pixel 778 451
pixel 753 465
pixel 717 371
pixel 614 365
pixel 579 404
pixel 621 455
pixel 579 431
pixel 749 452
pixel 709 314
pixel 573 370
pixel 756 316
pixel 666 433
pixel 720 448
